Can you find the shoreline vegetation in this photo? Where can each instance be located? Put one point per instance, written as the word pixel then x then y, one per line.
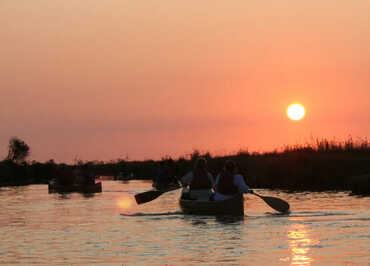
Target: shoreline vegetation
pixel 321 166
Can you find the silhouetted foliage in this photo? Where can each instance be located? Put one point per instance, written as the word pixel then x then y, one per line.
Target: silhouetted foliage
pixel 18 150
pixel 322 165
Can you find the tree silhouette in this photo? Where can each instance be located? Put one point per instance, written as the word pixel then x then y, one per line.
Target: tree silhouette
pixel 18 150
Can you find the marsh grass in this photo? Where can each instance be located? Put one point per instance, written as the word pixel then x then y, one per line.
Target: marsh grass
pixel 320 165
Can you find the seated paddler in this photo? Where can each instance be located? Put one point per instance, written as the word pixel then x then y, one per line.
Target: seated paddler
pixel 198 183
pixel 230 182
pixel 166 175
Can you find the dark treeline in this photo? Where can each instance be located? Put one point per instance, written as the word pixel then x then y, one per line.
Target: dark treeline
pixel 323 165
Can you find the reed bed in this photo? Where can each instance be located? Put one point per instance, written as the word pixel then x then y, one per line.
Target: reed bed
pixel 320 165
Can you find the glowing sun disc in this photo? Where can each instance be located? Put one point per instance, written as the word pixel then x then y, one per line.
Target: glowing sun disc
pixel 295 111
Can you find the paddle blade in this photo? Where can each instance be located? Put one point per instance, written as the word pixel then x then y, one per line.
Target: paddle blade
pixel 147 196
pixel 275 203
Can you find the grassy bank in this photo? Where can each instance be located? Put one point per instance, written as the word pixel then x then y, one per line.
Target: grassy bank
pixel 323 165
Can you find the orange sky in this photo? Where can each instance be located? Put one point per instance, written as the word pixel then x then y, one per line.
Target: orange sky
pixel 102 80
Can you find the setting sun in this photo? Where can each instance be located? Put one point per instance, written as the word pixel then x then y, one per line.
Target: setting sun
pixel 295 111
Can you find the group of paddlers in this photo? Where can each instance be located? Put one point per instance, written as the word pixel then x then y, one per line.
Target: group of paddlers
pixel 66 176
pixel 166 175
pixel 199 183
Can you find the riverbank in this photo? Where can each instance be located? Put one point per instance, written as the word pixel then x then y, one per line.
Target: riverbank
pixel 331 166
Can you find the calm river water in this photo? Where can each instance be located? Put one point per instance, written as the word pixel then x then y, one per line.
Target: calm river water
pixel 108 228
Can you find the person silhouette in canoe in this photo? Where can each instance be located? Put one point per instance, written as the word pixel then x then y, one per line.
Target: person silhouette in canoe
pixel 84 175
pixel 200 182
pixel 166 175
pixel 230 182
pixel 64 176
pixel 159 173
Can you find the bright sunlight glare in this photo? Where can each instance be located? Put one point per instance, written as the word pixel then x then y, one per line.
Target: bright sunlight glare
pixel 124 202
pixel 295 111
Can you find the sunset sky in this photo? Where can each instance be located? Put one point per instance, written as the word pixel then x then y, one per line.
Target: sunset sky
pixel 102 80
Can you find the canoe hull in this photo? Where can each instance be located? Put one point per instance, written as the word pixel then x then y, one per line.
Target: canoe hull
pixel 83 188
pixel 233 206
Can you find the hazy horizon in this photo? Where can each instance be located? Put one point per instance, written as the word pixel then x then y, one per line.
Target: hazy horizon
pixel 106 80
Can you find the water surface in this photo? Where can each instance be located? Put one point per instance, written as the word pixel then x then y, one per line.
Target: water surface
pixel 109 228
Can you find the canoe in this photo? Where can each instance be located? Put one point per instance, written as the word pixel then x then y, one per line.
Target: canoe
pixel 124 177
pixel 233 206
pixel 82 188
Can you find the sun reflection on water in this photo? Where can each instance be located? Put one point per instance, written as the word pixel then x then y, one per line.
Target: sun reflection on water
pixel 125 202
pixel 300 243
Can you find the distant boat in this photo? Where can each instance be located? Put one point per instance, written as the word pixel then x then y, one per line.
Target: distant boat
pixel 81 188
pixel 124 176
pixel 233 206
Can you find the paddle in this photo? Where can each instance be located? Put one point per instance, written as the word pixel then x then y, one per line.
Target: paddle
pixel 275 203
pixel 151 195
